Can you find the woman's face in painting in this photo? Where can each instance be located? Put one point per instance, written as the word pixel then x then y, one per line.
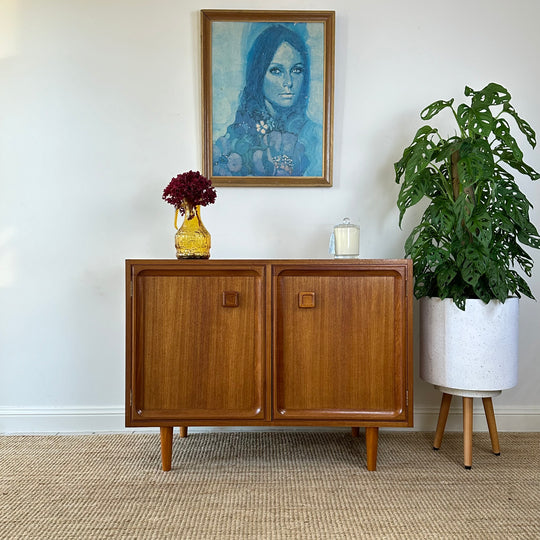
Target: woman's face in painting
pixel 284 77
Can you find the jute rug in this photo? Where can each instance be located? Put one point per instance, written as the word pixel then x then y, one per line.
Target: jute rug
pixel 277 485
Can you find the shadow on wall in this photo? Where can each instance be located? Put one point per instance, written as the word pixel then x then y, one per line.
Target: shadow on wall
pixel 7 257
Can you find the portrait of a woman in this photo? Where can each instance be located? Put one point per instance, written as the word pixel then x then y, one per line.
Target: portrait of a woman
pixel 272 133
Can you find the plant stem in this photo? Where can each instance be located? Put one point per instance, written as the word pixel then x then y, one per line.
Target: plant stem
pixel 443 186
pixel 454 174
pixel 463 133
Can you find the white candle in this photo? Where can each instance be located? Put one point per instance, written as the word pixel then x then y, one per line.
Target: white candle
pixel 347 239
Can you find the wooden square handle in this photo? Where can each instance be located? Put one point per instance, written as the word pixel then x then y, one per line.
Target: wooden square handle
pixel 306 299
pixel 230 299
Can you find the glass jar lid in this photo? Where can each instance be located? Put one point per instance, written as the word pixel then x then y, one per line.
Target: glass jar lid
pixel 346 223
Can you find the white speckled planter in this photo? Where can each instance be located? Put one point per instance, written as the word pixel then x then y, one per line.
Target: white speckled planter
pixel 472 352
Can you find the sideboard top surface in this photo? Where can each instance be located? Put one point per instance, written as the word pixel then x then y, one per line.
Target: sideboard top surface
pixel 172 263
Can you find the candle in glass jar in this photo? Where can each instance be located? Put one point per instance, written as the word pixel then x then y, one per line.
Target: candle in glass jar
pixel 347 240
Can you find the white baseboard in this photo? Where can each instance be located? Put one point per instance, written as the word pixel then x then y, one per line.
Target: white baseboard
pixel 61 419
pixel 512 419
pixel 111 419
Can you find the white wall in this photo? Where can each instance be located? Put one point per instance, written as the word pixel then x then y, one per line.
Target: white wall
pixel 99 108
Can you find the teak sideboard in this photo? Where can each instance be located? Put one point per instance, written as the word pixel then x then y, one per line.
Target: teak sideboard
pixel 269 343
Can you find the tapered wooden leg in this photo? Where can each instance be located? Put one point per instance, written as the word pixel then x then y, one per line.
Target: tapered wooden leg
pixel 166 447
pixel 372 440
pixel 441 423
pixel 355 432
pixel 467 431
pixel 183 431
pixel 492 426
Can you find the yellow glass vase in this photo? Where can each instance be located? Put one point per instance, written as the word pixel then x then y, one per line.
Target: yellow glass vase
pixel 192 240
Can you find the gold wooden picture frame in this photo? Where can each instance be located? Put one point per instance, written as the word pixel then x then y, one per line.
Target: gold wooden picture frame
pixel 267 85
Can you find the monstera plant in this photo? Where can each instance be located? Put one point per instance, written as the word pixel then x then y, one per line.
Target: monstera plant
pixel 469 242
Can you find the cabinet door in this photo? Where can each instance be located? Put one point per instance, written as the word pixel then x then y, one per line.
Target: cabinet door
pixel 198 347
pixel 340 344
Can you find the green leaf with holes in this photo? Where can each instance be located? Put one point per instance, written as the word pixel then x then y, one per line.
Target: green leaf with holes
pixel 435 108
pixel 524 126
pixel 478 224
pixel 475 120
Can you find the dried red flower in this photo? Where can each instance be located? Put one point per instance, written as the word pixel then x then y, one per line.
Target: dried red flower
pixel 190 188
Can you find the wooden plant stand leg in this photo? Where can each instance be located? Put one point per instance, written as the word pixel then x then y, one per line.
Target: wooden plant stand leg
pixel 166 434
pixel 372 440
pixel 467 431
pixel 441 422
pixel 492 426
pixel 355 432
pixel 183 431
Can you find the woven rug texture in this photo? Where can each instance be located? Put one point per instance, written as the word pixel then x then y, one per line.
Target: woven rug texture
pixel 268 485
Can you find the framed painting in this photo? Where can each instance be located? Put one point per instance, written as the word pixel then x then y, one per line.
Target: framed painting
pixel 267 84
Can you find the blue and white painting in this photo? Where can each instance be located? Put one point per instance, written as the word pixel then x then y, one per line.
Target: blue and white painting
pixel 268 99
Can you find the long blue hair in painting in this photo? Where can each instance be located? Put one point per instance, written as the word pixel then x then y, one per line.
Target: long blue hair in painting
pixel 272 133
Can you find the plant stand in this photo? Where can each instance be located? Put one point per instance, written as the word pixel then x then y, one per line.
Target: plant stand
pixel 467 420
